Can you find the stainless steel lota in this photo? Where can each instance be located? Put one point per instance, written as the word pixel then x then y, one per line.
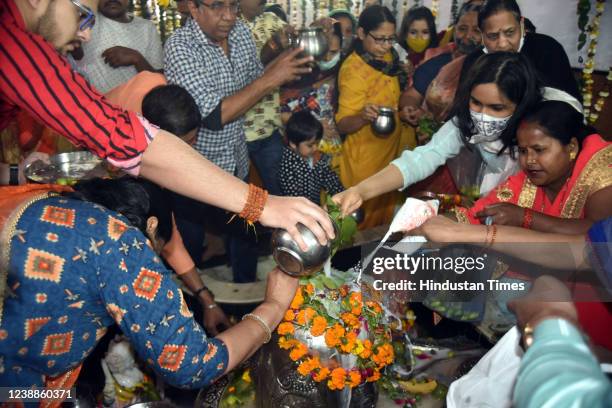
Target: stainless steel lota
pixel 313 41
pixel 292 259
pixel 384 125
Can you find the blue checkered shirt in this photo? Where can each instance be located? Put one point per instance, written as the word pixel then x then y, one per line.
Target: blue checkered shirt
pixel 197 64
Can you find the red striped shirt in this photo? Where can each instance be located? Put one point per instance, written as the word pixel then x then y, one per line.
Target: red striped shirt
pixel 36 78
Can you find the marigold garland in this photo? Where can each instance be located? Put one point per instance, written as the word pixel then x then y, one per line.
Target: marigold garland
pixel 308 313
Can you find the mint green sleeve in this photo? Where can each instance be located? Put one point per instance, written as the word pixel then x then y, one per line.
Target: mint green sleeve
pixel 420 163
pixel 559 370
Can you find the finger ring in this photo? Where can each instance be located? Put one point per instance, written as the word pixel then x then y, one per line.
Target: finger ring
pixel 489 220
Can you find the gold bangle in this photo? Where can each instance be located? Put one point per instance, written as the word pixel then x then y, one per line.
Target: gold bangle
pixel 527 336
pixel 263 325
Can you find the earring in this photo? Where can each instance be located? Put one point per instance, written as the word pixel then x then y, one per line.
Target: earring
pixel 572 156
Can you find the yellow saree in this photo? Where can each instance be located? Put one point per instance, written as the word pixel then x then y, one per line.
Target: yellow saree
pixel 363 153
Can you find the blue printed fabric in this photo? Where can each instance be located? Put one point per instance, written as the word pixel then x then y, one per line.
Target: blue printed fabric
pixel 76 268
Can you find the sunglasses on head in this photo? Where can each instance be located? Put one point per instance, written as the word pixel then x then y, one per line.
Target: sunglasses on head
pixel 87 16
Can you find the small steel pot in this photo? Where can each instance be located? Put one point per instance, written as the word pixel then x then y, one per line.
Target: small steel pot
pixel 384 125
pixel 292 260
pixel 313 41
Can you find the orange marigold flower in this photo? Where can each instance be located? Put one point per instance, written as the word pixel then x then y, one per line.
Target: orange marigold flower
pixel 298 300
pixel 384 355
pixel 355 378
pixel 309 289
pixel 374 377
pixel 305 367
pixel 322 374
pixel 319 324
pixel 355 303
pixel 285 344
pixel 305 316
pixel 289 315
pixel 285 328
pixel 374 306
pixel 350 319
pixel 367 349
pixel 338 377
pixel 343 290
pixel 309 365
pixel 333 335
pixel 348 343
pixel 298 351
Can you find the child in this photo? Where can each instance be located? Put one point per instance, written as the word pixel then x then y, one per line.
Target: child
pixel 303 170
pixel 173 109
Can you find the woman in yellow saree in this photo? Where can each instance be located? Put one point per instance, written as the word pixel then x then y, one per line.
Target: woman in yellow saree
pixel 370 78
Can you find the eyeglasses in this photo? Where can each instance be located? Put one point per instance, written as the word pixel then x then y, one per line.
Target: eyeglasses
pixel 383 40
pixel 218 7
pixel 87 17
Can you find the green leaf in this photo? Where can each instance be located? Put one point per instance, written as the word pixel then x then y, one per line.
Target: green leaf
pixel 329 283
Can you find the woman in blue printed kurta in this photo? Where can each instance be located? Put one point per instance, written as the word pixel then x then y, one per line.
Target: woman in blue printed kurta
pixel 76 268
pixel 73 267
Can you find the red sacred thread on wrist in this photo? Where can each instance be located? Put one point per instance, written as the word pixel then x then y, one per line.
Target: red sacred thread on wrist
pixel 527 218
pixel 493 234
pixel 256 200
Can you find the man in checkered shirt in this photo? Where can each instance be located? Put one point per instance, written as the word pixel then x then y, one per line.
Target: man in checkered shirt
pixel 214 57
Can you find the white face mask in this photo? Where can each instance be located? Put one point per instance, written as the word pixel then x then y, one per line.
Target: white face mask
pixel 521 42
pixel 489 128
pixel 327 65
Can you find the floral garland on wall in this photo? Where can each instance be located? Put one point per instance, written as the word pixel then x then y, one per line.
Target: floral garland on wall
pixel 435 7
pixel 454 9
pixel 162 13
pixel 591 32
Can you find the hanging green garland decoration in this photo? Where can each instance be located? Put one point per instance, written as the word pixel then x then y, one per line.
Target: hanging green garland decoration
pixel 303 13
pixel 584 8
pixel 454 9
pixel 144 10
pixel 162 24
pixel 315 9
pixel 394 6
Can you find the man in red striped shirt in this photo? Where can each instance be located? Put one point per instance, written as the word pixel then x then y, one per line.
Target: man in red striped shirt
pixel 36 78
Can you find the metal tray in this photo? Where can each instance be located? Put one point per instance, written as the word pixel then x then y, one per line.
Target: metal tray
pixel 70 166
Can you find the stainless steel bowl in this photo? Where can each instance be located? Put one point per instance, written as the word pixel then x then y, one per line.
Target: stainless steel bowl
pixel 72 165
pixel 313 41
pixel 358 215
pixel 384 125
pixel 292 260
